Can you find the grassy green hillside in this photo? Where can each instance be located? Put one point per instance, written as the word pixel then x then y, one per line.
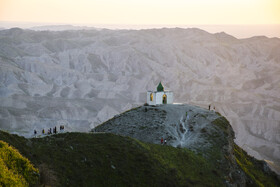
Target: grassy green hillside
pixel 80 159
pixel 86 159
pixel 254 169
pixel 15 170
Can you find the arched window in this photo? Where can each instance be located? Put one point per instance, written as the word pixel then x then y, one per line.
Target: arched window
pixel 151 97
pixel 164 99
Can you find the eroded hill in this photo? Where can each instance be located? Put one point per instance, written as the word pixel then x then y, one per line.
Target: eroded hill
pixel 82 78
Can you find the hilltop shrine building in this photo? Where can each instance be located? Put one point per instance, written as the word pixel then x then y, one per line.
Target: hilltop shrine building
pixel 160 96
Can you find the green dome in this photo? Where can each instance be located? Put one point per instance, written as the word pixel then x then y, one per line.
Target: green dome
pixel 160 88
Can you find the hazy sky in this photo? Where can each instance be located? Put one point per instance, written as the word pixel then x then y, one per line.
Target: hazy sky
pixel 173 12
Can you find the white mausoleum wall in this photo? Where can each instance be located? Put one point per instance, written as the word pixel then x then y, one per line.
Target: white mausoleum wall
pixel 169 97
pixel 158 97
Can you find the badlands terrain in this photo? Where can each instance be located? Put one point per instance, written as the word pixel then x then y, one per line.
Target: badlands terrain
pixel 82 78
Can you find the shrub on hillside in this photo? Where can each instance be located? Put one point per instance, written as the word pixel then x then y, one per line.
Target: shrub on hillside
pixel 15 170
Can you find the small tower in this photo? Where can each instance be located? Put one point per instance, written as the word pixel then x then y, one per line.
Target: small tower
pixel 160 88
pixel 160 96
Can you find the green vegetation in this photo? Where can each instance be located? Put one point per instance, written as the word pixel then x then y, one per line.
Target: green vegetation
pixel 100 159
pixel 254 169
pixel 223 124
pixel 189 168
pixel 217 137
pixel 87 159
pixel 15 170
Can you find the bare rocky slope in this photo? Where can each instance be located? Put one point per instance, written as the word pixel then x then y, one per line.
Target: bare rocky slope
pixel 82 78
pixel 181 125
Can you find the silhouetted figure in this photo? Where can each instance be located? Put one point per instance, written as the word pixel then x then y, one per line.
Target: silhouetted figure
pixel 35 133
pixel 50 130
pixel 161 140
pixel 54 130
pixel 209 107
pixel 43 131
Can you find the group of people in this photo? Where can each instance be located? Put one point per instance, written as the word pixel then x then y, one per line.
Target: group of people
pixel 50 130
pixel 163 141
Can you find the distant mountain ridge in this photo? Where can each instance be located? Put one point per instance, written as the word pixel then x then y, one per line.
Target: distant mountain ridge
pixel 60 28
pixel 82 78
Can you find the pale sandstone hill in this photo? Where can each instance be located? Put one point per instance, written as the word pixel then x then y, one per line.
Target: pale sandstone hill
pixel 81 78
